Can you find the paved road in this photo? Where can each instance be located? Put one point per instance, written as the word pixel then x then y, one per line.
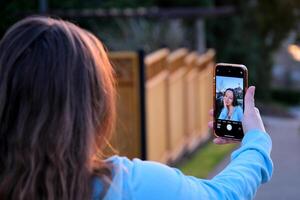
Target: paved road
pixel 285 184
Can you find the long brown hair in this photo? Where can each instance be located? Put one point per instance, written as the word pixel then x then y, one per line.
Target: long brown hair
pixel 57 107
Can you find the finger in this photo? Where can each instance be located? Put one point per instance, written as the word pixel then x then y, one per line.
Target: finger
pixel 221 141
pixel 249 99
pixel 218 141
pixel 224 141
pixel 233 141
pixel 211 112
pixel 211 124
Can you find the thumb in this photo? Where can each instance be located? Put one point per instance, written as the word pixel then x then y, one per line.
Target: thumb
pixel 252 119
pixel 249 99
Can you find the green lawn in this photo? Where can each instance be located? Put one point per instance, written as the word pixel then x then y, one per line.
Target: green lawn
pixel 205 159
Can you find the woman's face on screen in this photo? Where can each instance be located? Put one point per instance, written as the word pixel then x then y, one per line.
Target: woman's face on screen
pixel 228 98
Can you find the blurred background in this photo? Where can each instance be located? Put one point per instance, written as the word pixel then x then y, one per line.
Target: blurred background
pixel 261 34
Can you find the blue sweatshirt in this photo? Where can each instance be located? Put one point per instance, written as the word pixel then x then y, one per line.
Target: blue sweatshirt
pixel 237 114
pixel 250 166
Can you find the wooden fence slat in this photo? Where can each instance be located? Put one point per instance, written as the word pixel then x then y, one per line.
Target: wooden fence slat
pixel 175 105
pixel 205 94
pixel 191 102
pixel 127 137
pixel 156 111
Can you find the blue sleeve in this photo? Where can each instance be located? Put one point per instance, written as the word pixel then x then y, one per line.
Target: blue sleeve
pixel 250 166
pixel 223 113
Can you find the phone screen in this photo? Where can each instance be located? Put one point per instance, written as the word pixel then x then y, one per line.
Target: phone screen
pixel 229 101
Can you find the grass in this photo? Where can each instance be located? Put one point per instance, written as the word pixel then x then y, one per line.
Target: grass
pixel 205 159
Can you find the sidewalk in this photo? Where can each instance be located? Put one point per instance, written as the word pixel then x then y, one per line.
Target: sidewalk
pixel 285 183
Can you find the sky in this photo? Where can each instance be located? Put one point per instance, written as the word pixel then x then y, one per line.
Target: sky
pixel 224 82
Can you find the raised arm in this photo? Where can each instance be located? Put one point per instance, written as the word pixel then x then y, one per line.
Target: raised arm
pixel 250 166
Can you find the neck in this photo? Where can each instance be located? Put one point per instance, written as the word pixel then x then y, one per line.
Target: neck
pixel 230 107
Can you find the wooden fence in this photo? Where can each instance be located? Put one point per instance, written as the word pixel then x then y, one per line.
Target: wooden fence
pixel 156 105
pixel 163 102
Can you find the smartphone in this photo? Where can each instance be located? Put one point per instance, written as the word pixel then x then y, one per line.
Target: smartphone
pixel 230 84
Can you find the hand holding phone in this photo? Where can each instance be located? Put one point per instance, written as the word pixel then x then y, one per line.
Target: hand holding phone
pixel 251 121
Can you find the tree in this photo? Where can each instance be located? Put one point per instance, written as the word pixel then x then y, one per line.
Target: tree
pixel 251 36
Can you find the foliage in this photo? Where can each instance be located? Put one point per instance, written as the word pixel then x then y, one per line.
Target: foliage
pixel 251 36
pixel 286 96
pixel 182 3
pixel 9 12
pixel 79 4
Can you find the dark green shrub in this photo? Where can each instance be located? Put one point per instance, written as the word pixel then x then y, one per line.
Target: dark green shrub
pixel 286 96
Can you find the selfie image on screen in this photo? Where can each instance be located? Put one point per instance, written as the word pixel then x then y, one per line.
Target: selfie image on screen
pixel 229 98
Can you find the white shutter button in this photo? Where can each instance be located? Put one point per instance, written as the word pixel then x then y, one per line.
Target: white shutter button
pixel 229 127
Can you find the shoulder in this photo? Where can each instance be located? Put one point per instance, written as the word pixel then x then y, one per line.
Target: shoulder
pixel 238 109
pixel 140 179
pixel 137 170
pixel 119 185
pixel 224 110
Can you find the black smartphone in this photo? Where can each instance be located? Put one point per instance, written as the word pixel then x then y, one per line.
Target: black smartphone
pixel 230 84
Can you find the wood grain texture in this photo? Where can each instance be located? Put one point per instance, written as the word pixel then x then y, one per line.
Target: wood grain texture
pixel 176 102
pixel 156 101
pixel 127 137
